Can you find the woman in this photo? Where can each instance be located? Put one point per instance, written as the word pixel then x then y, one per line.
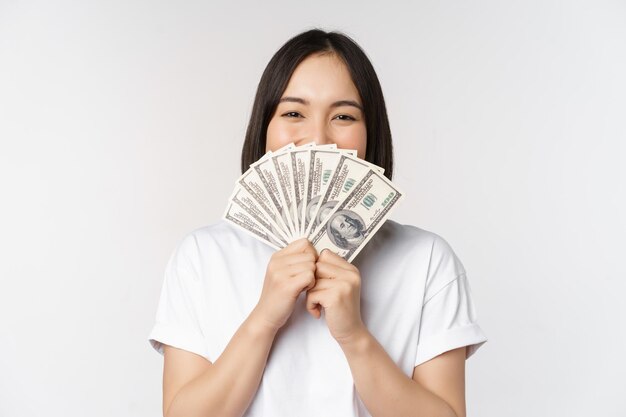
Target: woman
pixel 241 325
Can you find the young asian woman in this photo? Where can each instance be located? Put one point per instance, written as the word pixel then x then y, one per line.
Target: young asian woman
pixel 246 330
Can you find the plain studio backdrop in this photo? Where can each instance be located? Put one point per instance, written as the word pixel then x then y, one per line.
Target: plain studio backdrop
pixel 121 125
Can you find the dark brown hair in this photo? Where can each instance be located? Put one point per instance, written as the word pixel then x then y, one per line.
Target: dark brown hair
pixel 276 76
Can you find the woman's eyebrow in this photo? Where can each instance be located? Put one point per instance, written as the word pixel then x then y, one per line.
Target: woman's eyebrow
pixel 335 104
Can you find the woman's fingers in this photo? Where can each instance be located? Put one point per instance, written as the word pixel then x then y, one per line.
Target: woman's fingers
pixel 326 293
pixel 314 302
pixel 296 269
pixel 331 257
pixel 309 248
pixel 325 270
pixel 297 258
pixel 295 262
pixel 305 280
pixel 302 245
pixel 322 284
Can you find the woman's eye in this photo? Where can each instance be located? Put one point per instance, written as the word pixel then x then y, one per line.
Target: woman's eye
pixel 292 114
pixel 345 117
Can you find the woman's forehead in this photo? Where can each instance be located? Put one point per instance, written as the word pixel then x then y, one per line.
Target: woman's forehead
pixel 321 78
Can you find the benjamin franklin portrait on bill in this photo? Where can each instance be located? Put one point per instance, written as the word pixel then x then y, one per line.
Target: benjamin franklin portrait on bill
pixel 345 229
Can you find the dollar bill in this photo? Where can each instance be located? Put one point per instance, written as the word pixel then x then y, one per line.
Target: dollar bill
pixel 300 158
pixel 350 170
pixel 313 205
pixel 251 181
pixel 240 218
pixel 328 195
pixel 246 201
pixel 283 170
pixel 353 222
pixel 299 163
pixel 269 179
pixel 322 164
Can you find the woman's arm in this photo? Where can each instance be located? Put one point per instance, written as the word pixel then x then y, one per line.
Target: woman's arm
pixel 226 387
pixel 387 391
pixel 437 388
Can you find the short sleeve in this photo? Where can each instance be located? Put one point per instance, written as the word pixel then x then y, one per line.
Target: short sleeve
pixel 179 310
pixel 449 318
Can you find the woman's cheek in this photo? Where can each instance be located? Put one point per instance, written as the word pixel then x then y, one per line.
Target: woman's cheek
pixel 279 135
pixel 354 139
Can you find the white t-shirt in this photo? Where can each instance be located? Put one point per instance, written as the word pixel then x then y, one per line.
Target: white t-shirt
pixel 415 300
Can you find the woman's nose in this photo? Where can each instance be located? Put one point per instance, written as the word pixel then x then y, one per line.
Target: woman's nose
pixel 320 135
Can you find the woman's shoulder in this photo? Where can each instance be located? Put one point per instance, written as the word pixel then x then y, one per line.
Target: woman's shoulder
pixel 409 234
pixel 219 233
pixel 409 239
pixel 219 236
pixel 220 229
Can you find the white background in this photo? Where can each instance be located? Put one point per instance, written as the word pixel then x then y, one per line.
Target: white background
pixel 121 126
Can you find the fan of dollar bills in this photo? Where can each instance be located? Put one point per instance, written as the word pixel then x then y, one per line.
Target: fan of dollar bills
pixel 328 195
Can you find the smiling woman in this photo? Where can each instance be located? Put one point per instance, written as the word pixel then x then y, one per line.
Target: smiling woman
pixel 241 325
pixel 320 104
pixel 314 78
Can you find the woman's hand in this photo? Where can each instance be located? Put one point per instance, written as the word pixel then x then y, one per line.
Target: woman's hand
pixel 290 271
pixel 338 291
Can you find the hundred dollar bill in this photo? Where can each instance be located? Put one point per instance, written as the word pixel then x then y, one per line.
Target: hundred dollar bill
pixel 240 218
pixel 353 222
pixel 252 182
pixel 266 172
pixel 322 164
pixel 283 171
pixel 299 163
pixel 350 170
pixel 246 201
pixel 299 167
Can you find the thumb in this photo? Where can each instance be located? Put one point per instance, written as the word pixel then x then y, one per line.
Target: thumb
pixel 313 305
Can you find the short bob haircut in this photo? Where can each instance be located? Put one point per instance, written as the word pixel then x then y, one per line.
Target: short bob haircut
pixel 275 78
